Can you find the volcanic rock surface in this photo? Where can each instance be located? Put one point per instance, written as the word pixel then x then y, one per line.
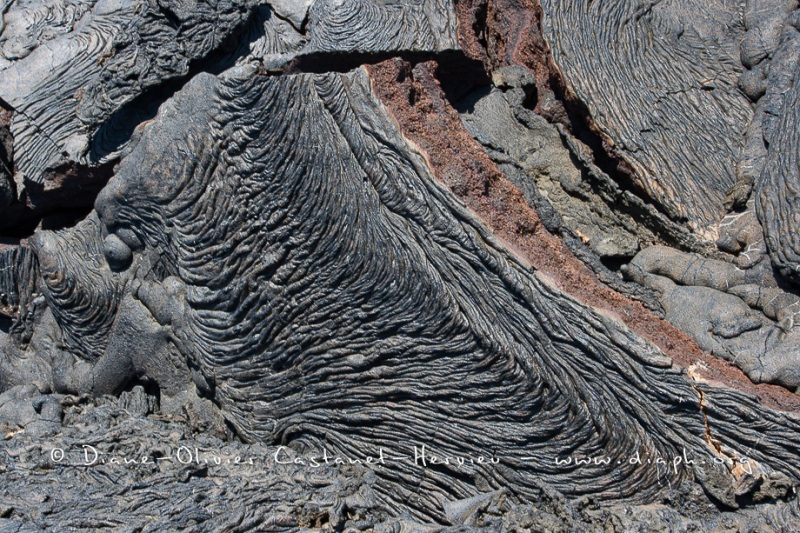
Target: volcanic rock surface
pixel 399 265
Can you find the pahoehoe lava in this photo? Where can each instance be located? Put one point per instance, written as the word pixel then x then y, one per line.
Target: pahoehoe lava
pixel 316 249
pixel 656 67
pixel 515 259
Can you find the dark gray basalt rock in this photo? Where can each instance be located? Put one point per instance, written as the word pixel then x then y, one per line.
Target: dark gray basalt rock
pixel 718 304
pixel 538 150
pixel 309 244
pixel 597 219
pixel 659 81
pixel 80 75
pixel 69 66
pixel 79 286
pixel 19 279
pixel 319 34
pixel 273 261
pixel 368 26
pixel 7 194
pixel 769 54
pixel 777 187
pixel 728 298
pixel 177 479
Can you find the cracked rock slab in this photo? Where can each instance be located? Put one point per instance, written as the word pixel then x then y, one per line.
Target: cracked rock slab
pixel 659 82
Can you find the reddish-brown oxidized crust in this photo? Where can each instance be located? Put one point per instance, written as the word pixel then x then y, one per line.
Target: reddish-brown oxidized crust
pixel 418 104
